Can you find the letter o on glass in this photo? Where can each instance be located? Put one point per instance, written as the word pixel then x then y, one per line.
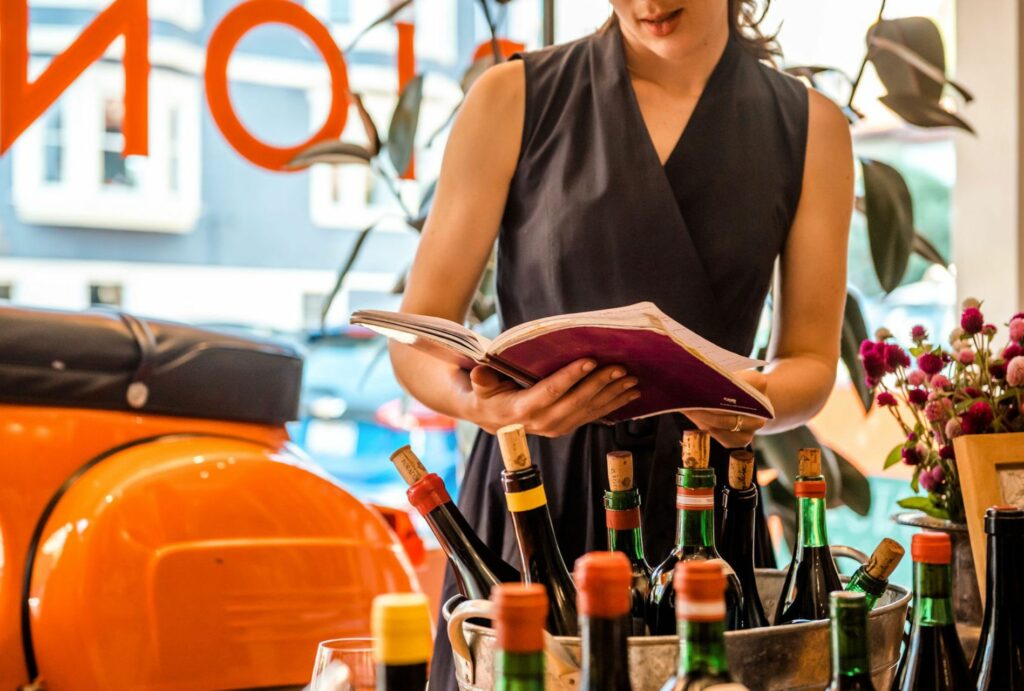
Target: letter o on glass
pixel 236 23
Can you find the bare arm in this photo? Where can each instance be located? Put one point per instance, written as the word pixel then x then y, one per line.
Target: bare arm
pixel 811 291
pixel 479 162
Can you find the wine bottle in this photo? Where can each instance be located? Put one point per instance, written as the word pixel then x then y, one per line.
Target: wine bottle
pixel 812 574
pixel 934 659
pixel 603 580
pixel 400 624
pixel 695 539
pixel 739 511
pixel 520 610
pixel 622 518
pixel 477 569
pixel 999 661
pixel 873 577
pixel 701 610
pixel 850 668
pixel 542 560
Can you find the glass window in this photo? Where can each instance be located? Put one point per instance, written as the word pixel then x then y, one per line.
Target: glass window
pixel 312 303
pixel 53 146
pixel 339 11
pixel 6 291
pixel 105 294
pixel 117 170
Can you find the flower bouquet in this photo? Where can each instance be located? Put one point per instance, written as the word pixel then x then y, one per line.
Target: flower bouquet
pixel 968 388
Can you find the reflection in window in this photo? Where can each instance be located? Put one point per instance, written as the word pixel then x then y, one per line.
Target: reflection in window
pixel 106 294
pixel 117 171
pixel 53 147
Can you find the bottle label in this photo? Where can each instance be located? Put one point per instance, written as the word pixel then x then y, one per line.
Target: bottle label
pixel 526 500
pixel 624 519
pixel 695 498
pixel 697 610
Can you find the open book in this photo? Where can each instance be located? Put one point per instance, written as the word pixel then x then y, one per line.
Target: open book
pixel 677 369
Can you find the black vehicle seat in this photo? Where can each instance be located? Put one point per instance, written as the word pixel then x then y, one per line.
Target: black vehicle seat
pixel 114 361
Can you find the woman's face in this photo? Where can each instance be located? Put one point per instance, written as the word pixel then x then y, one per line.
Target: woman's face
pixel 673 29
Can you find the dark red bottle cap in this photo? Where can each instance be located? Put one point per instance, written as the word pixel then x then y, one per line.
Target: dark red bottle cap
pixel 427 493
pixel 930 547
pixel 700 590
pixel 602 584
pixel 520 610
pixel 810 489
pixel 1004 519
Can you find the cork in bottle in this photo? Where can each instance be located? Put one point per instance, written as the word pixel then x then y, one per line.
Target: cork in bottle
pixel 809 461
pixel 696 449
pixel 408 465
pixel 514 452
pixel 884 559
pixel 741 469
pixel 620 471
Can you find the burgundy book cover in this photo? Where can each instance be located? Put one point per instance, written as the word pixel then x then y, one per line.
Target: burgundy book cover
pixel 668 373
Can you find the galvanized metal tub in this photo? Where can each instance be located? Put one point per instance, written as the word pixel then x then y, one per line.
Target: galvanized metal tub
pixel 793 656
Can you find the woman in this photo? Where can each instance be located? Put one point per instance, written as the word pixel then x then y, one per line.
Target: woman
pixel 657 160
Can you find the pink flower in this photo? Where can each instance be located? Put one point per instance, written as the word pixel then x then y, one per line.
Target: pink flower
pixel 997 368
pixel 1015 371
pixel 977 418
pixel 932 478
pixel 916 377
pixel 1016 329
pixel 935 411
pixel 940 381
pixel 965 356
pixel 874 365
pixel 946 451
pixel 886 399
pixel 895 357
pixel 917 396
pixel 918 333
pixel 953 428
pixel 989 330
pixel 867 346
pixel 971 392
pixel 1011 351
pixel 972 321
pixel 930 363
pixel 912 454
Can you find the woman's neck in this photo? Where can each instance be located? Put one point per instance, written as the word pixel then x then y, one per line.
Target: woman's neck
pixel 682 75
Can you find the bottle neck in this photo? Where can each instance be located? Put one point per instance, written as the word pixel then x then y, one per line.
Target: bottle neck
pixel 622 518
pixel 849 643
pixel 605 654
pixel 933 605
pixel 695 528
pixel 695 504
pixel 863 582
pixel 739 511
pixel 1001 583
pixel 702 648
pixel 519 671
pixel 402 677
pixel 811 530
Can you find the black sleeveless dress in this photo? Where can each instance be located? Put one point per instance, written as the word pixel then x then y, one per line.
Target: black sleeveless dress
pixel 594 220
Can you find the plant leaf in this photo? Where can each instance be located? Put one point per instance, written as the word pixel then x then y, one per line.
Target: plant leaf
pixel 920 64
pixel 923 504
pixel 854 332
pixel 915 478
pixel 924 248
pixel 894 457
pixel 856 491
pixel 392 11
pixel 473 72
pixel 350 261
pixel 921 36
pixel 330 151
pixel 404 121
pixel 923 113
pixel 368 125
pixel 890 216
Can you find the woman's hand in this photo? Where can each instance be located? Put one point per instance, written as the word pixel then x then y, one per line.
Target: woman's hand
pixel 577 394
pixel 731 430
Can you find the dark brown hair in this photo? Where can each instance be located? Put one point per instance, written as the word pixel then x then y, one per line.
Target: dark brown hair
pixel 745 26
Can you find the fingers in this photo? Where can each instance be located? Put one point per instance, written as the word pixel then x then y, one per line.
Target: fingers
pixel 721 427
pixel 487 382
pixel 590 399
pixel 550 389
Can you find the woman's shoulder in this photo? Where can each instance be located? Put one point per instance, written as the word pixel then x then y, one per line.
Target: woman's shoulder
pixel 778 84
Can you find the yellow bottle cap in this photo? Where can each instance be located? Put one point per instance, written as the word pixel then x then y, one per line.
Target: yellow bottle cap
pixel 401 629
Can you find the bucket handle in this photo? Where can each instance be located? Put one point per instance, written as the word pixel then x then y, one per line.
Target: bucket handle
pixel 560 662
pixel 848 552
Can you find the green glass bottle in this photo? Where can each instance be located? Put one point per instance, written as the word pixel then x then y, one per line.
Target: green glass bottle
pixel 850 669
pixel 520 610
pixel 700 608
pixel 602 581
pixel 934 659
pixel 622 519
pixel 873 577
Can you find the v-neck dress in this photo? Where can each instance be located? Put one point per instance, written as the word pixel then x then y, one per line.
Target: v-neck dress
pixel 594 220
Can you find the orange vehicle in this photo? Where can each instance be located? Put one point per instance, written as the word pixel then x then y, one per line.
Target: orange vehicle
pixel 157 528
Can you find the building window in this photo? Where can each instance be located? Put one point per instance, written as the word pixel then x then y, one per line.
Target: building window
pixel 6 291
pixel 105 294
pixel 117 169
pixel 53 146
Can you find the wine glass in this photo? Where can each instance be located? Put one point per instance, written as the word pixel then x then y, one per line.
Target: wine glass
pixel 355 654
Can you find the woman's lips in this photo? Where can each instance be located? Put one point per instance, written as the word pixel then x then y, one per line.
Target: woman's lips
pixel 662 24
